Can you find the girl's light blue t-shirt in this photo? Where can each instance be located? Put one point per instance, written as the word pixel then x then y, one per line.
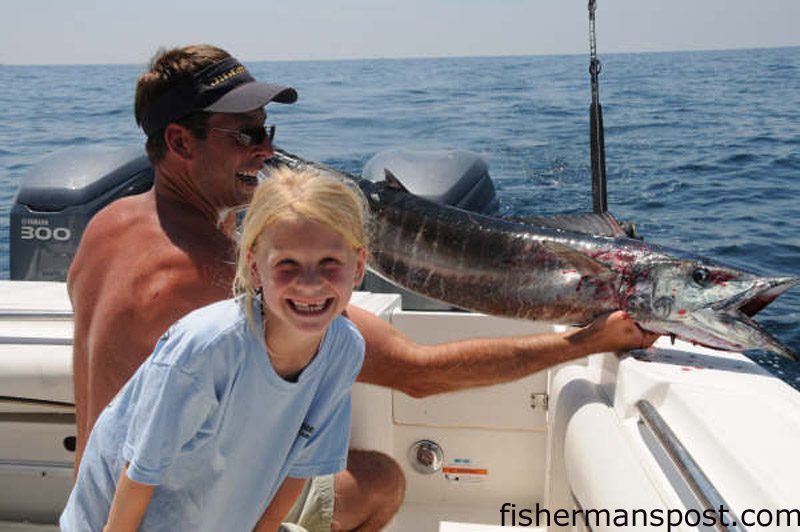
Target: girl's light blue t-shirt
pixel 208 421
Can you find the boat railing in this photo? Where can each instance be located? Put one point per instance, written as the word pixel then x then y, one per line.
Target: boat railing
pixel 17 337
pixel 706 493
pixel 35 315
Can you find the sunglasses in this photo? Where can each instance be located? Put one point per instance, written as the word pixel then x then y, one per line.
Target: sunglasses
pixel 249 136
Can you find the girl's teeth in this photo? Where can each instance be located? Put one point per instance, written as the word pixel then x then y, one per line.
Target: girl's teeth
pixel 309 307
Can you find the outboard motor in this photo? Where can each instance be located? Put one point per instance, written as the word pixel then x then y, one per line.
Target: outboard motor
pixel 448 177
pixel 57 198
pixel 457 178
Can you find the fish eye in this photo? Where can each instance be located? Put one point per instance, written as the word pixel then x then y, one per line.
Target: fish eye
pixel 700 276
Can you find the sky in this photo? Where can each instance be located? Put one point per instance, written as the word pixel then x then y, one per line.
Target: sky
pixel 130 31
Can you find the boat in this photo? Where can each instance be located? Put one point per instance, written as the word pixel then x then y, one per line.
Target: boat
pixel 675 437
pixel 673 433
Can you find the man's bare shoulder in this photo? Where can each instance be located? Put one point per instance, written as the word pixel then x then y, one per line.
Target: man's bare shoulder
pixel 128 264
pixel 122 215
pixel 108 232
pixel 135 205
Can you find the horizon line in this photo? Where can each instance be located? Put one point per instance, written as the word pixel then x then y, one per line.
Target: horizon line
pixel 433 57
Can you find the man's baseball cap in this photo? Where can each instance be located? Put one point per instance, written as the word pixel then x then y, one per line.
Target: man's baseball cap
pixel 222 87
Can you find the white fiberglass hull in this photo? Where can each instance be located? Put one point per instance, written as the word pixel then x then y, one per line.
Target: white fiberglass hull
pixel 573 436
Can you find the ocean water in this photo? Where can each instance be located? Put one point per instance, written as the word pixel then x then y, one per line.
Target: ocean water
pixel 702 148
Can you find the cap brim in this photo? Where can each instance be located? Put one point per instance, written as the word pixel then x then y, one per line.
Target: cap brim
pixel 252 95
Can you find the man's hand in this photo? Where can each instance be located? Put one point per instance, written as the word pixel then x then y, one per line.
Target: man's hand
pixel 614 332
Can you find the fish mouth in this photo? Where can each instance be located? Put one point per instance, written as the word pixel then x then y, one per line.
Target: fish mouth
pixel 730 321
pixel 763 292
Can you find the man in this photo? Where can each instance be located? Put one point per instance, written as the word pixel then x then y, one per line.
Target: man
pixel 145 261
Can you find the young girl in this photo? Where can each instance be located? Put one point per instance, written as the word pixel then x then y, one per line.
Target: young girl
pixel 242 399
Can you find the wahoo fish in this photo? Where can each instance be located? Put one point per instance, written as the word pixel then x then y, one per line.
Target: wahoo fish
pixel 552 269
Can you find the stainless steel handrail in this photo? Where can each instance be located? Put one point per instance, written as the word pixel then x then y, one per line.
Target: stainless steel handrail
pixel 707 495
pixel 33 340
pixel 36 315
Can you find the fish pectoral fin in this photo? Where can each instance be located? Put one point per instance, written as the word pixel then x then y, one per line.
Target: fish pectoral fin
pixel 584 264
pixel 393 182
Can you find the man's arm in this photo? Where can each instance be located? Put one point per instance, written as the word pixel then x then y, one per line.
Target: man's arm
pixel 393 360
pixel 129 505
pixel 281 504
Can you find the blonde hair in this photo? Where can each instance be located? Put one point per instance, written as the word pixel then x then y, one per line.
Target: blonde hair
pixel 289 194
